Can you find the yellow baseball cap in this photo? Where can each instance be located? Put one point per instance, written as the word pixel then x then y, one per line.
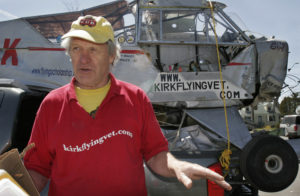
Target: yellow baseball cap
pixel 92 28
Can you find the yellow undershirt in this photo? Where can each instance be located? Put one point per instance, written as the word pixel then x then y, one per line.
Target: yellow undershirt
pixel 90 99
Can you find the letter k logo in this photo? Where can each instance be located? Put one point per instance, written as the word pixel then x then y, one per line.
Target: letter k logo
pixel 10 51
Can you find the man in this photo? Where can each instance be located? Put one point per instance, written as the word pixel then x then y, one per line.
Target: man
pixel 92 135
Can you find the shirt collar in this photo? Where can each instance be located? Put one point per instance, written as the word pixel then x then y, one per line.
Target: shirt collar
pixel 115 88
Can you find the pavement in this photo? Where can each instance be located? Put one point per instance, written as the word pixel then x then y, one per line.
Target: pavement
pixel 295 143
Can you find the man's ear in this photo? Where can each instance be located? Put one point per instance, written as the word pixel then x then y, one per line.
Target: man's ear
pixel 111 59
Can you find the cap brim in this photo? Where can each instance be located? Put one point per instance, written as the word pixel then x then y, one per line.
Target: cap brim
pixel 83 35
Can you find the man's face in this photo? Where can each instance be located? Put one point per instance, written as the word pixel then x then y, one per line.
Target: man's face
pixel 91 63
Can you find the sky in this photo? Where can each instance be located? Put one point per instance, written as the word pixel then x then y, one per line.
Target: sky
pixel 279 18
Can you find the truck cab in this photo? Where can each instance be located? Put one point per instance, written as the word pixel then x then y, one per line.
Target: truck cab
pixel 18 106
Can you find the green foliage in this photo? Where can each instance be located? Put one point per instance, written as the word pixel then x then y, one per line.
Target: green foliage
pixel 289 104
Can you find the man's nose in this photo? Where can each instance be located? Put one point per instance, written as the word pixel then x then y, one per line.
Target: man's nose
pixel 85 57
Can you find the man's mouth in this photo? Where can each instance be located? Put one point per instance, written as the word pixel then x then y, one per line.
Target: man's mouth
pixel 85 70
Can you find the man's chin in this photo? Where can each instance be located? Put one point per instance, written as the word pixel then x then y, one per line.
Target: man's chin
pixel 84 82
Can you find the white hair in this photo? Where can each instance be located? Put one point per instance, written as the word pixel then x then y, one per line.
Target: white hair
pixel 113 48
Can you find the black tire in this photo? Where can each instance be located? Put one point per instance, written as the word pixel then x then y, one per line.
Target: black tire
pixel 243 190
pixel 269 163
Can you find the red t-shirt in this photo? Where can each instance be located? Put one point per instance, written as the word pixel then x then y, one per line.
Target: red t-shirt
pixel 95 156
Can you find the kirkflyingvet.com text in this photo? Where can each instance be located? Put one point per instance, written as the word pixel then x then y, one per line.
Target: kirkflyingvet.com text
pixel 92 143
pixel 187 86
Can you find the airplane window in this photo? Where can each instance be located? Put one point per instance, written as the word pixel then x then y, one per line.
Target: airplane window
pixel 150 25
pixel 178 25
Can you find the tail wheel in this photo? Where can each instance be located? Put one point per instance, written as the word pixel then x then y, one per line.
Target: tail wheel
pixel 269 163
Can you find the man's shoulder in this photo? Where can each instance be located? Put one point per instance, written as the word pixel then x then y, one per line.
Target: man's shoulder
pixel 129 88
pixel 133 94
pixel 58 94
pixel 128 85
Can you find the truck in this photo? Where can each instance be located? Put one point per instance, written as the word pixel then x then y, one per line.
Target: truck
pixel 197 66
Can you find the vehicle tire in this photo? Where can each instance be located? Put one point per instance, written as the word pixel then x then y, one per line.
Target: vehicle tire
pixel 269 163
pixel 243 190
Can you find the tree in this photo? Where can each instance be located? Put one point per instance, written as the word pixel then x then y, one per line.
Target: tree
pixel 289 104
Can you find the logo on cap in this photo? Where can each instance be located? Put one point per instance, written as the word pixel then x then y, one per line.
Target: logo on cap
pixel 88 21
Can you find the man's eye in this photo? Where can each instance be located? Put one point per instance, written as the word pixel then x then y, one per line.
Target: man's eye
pixel 75 49
pixel 93 50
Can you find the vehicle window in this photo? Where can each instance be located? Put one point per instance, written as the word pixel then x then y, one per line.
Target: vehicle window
pixel 298 120
pixel 284 120
pixel 289 120
pixel 292 120
pixel 188 25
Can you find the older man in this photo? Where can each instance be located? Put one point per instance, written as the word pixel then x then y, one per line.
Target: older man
pixel 92 135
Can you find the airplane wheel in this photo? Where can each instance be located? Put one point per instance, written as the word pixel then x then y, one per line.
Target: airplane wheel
pixel 269 163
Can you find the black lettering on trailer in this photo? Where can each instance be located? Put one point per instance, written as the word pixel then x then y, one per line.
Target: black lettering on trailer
pixel 184 86
pixel 231 94
pixel 172 77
